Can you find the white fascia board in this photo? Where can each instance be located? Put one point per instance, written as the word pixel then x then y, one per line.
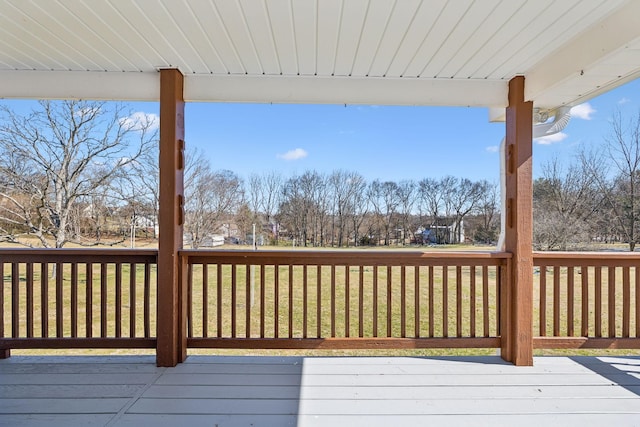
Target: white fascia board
pixel 95 85
pixel 611 35
pixel 130 86
pixel 346 90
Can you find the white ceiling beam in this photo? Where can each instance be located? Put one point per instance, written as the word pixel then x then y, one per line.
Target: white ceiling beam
pixel 611 35
pixel 346 90
pixel 137 86
pixel 125 86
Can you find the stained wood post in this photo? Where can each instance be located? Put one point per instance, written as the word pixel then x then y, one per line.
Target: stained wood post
pixel 171 336
pixel 4 352
pixel 517 326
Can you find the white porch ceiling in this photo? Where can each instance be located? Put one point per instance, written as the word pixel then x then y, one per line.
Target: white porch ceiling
pixel 405 52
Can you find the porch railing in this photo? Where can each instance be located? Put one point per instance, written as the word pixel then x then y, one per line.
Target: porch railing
pixel 586 300
pixel 299 299
pixel 72 298
pixel 77 298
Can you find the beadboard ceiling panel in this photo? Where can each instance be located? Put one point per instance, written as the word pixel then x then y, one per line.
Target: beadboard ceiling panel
pixel 406 52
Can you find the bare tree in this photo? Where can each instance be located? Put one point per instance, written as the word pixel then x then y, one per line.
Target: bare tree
pixel 55 156
pixel 211 197
pixel 145 173
pixel 322 200
pixel 406 200
pixel 93 216
pixel 623 147
pixel 448 201
pixel 430 199
pixel 312 186
pixel 135 201
pixel 384 199
pixel 488 214
pixel 265 195
pixel 293 212
pixel 347 190
pixel 357 206
pixel 464 199
pixel 302 210
pixel 254 199
pixel 616 172
pixel 565 201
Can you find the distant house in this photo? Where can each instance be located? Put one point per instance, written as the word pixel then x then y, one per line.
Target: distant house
pixel 230 231
pixel 208 241
pixel 441 232
pixel 212 240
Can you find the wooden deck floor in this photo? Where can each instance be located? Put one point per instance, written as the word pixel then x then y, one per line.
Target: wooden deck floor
pixel 319 391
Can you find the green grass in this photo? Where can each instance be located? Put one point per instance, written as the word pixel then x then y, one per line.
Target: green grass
pixel 96 307
pixel 343 307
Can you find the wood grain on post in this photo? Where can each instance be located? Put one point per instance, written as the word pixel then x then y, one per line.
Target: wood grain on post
pixel 171 342
pixel 518 345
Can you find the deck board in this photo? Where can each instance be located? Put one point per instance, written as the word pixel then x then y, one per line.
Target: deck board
pixel 564 420
pixel 353 380
pixel 319 391
pixel 385 406
pixel 398 393
pixel 76 378
pixel 102 405
pixel 50 420
pixel 69 391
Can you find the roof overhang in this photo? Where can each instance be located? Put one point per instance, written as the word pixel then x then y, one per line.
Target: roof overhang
pixel 413 52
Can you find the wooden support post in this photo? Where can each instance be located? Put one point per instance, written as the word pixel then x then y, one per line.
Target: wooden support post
pixel 517 327
pixel 5 353
pixel 171 336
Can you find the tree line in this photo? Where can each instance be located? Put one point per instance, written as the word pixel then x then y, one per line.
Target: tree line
pixel 341 208
pixel 87 173
pixel 595 196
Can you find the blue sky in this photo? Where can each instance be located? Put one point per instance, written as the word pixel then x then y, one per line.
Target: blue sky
pixel 379 142
pixel 389 143
pixel 382 142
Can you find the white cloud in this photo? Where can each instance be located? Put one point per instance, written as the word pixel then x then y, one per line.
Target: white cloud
pixel 624 101
pixel 583 111
pixel 551 139
pixel 492 148
pixel 296 154
pixel 141 120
